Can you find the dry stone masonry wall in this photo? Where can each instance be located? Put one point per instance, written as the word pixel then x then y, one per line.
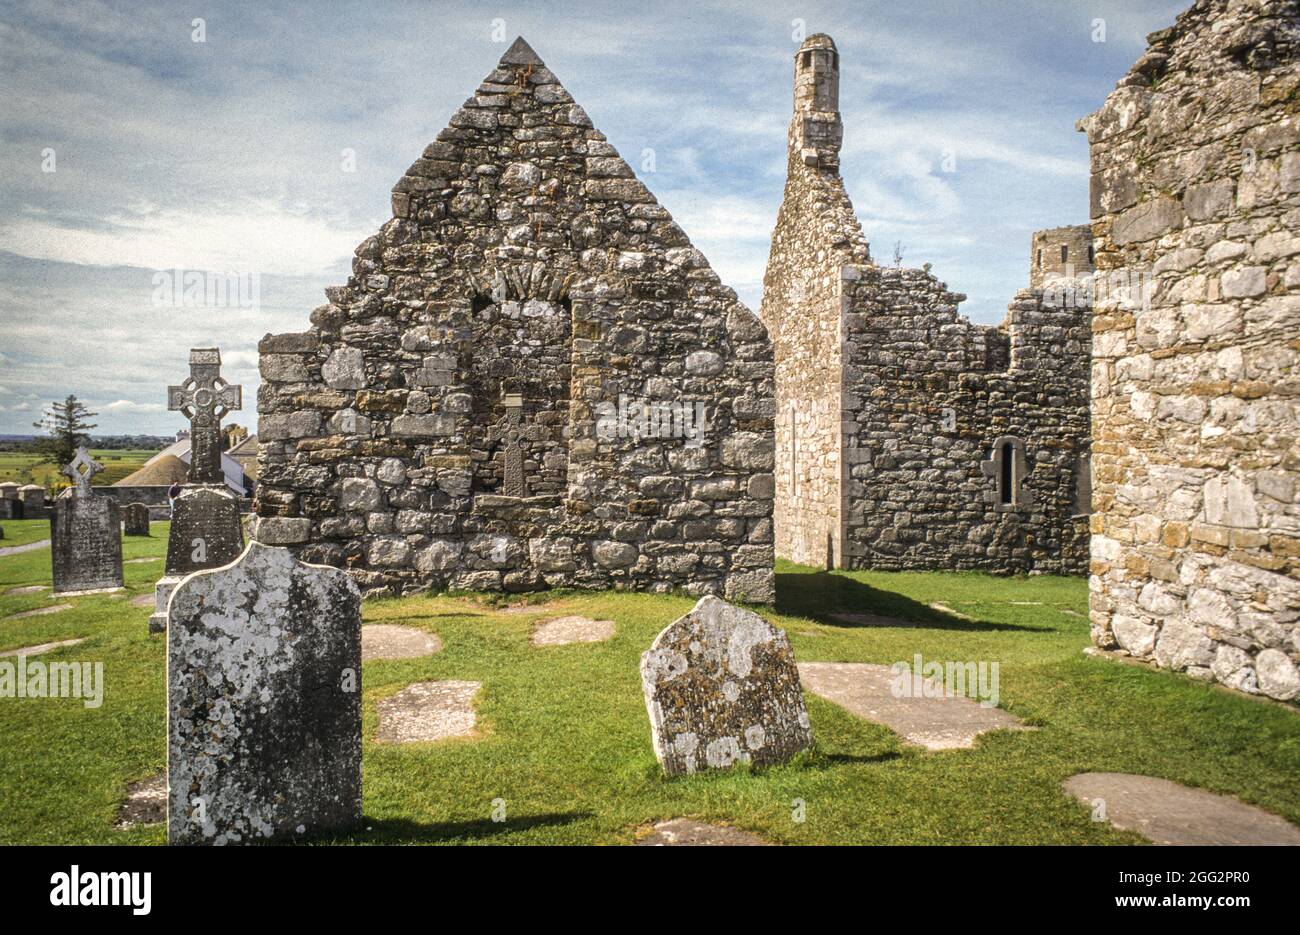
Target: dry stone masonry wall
pixel 532 379
pixel 1196 187
pixel 896 415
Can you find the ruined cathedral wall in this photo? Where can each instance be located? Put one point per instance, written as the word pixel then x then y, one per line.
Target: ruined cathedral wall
pixel 1196 204
pixel 531 380
pixel 933 403
pixel 802 299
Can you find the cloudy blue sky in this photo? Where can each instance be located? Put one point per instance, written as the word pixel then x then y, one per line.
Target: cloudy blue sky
pixel 270 147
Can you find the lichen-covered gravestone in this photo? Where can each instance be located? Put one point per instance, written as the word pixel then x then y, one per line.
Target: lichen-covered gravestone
pixel 721 686
pixel 136 517
pixel 85 534
pixel 263 701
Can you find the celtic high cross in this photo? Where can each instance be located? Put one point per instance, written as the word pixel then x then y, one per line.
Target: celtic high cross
pixel 205 398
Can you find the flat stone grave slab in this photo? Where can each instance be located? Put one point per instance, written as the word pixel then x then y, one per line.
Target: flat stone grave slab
pixel 29 547
pixel 145 803
pixel 388 641
pixel 686 832
pixel 945 609
pixel 527 609
pixel 141 561
pixel 40 611
pixel 1168 813
pixel 564 630
pixel 143 600
pixel 936 723
pixel 428 711
pixel 40 648
pixel 29 589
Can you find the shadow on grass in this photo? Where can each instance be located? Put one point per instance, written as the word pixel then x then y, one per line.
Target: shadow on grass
pixel 821 596
pixel 402 831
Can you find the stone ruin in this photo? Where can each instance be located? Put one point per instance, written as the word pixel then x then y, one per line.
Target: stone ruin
pixel 907 437
pixel 1196 209
pixel 531 380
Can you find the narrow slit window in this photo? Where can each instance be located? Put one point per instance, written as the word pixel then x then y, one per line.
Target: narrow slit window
pixel 1065 253
pixel 1006 488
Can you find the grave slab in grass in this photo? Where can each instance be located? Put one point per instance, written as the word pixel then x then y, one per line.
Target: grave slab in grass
pixel 29 589
pixel 563 630
pixel 40 611
pixel 145 803
pixel 39 648
pixel 686 832
pixel 389 641
pixel 939 722
pixel 428 711
pixel 1168 813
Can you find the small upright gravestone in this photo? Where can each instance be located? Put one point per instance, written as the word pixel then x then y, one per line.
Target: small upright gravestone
pixel 85 534
pixel 136 516
pixel 263 701
pixel 721 686
pixel 205 533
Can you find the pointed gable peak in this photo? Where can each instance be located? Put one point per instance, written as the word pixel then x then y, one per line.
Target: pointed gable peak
pixel 521 53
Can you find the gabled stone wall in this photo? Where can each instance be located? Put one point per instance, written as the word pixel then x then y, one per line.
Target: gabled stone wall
pixel 531 380
pixel 893 409
pixel 1196 204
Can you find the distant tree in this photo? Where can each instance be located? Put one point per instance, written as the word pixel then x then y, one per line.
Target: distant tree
pixel 898 253
pixel 65 426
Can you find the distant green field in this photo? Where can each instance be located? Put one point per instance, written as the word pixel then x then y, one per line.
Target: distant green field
pixel 22 467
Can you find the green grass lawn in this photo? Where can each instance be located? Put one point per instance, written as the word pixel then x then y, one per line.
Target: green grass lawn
pixel 23 531
pixel 24 468
pixel 564 739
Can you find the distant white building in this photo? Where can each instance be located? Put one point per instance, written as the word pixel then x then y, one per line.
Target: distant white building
pixel 238 482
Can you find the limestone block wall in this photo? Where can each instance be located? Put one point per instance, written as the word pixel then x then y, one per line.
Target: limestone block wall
pixel 1196 194
pixel 803 305
pixel 896 415
pixel 937 403
pixel 532 379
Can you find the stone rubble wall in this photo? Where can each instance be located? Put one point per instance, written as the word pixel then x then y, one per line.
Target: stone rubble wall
pixel 1196 183
pixel 929 394
pixel 873 363
pixel 523 257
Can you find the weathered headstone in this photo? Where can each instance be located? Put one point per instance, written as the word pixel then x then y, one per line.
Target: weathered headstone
pixel 205 533
pixel 32 498
pixel 85 534
pixel 263 701
pixel 721 686
pixel 136 517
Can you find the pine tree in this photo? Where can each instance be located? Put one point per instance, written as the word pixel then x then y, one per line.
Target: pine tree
pixel 66 427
